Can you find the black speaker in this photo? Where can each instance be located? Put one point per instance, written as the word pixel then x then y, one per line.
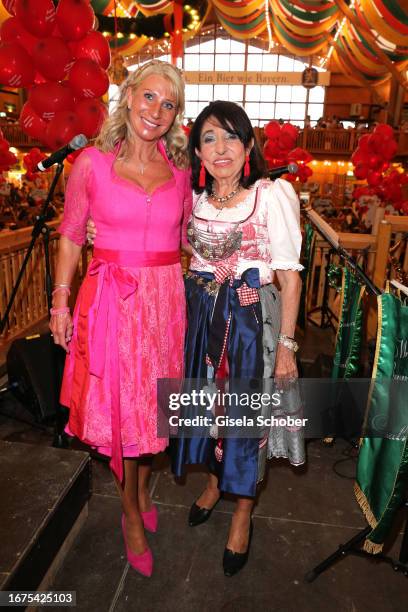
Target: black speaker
pixel 35 366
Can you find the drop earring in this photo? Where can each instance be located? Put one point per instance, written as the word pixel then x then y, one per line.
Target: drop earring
pixel 201 178
pixel 247 169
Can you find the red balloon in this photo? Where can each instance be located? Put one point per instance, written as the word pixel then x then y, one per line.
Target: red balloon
pixel 62 128
pixel 389 149
pixel 52 58
pixel 358 156
pixel 13 31
pixel 31 123
pixel 299 154
pixel 361 171
pixel 363 142
pixel 272 129
pixel 91 113
pixel 271 148
pixel 375 143
pixel 16 67
pixel 87 79
pixel 4 144
pixel 301 174
pixel 37 16
pixel 375 162
pixel 75 18
pixel 49 98
pixel 286 140
pixel 72 156
pixel 385 131
pixel 10 6
pixel 393 193
pixel 39 79
pixel 290 129
pixel 374 178
pixel 95 47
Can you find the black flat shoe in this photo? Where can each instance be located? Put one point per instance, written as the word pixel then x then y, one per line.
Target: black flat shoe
pixel 234 562
pixel 199 515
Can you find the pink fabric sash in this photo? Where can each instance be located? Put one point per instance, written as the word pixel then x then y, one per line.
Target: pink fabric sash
pixel 138 259
pixel 114 283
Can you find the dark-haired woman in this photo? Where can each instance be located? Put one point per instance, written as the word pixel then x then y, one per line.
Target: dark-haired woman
pixel 244 230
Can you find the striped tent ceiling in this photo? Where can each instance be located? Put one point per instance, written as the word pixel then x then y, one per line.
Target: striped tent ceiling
pixel 364 38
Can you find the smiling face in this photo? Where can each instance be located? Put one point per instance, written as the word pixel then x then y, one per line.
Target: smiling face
pixel 153 107
pixel 222 152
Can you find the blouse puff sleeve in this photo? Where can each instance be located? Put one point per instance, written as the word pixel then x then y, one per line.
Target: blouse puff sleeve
pixel 77 200
pixel 187 207
pixel 283 222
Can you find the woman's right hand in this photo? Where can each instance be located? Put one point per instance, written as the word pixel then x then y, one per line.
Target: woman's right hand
pixel 62 327
pixel 90 231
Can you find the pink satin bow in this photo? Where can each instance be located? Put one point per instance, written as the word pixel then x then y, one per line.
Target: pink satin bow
pixel 114 284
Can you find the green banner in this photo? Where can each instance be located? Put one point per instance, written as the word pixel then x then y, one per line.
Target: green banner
pixel 306 260
pixel 349 332
pixel 382 469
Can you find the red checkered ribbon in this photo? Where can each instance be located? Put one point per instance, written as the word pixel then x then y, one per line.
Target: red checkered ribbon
pixel 222 273
pixel 247 295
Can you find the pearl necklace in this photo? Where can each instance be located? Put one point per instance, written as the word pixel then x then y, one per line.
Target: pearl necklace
pixel 227 198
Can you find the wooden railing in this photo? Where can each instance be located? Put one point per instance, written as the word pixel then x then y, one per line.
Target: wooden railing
pixel 30 304
pixel 336 143
pixel 372 252
pixel 341 142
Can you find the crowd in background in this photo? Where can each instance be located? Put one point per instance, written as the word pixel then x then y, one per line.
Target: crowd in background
pixel 20 205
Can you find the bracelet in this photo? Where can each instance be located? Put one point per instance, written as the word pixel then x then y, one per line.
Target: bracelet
pixel 62 285
pixel 288 342
pixel 60 311
pixel 61 288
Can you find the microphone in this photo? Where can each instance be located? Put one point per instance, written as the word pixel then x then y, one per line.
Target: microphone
pixel 291 168
pixel 57 157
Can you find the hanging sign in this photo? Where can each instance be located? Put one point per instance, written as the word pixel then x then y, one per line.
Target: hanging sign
pixel 310 77
pixel 251 78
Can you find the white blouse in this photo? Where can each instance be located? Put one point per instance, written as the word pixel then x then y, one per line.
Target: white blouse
pixel 278 209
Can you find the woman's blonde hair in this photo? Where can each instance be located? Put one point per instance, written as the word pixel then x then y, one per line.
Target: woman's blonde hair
pixel 117 127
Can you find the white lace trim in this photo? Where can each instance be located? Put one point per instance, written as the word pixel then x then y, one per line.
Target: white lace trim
pixel 286 265
pixel 203 205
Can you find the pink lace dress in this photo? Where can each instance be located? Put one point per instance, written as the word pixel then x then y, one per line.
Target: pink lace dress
pixel 130 316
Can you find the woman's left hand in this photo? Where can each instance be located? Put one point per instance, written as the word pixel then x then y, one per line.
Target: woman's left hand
pixel 285 365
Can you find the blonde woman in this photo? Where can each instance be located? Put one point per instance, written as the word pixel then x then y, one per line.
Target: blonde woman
pixel 128 326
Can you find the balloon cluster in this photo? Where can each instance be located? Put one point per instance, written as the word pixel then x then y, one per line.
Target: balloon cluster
pixel 280 149
pixel 30 162
pixel 7 158
pixel 371 162
pixel 62 60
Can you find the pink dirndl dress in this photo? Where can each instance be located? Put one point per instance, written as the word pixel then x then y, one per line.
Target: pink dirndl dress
pixel 130 315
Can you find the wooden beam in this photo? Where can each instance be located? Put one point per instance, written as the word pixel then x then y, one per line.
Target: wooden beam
pixel 347 12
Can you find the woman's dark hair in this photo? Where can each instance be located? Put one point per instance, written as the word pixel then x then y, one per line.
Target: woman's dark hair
pixel 234 119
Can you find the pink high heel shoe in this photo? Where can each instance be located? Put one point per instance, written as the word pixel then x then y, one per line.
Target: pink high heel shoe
pixel 150 519
pixel 142 563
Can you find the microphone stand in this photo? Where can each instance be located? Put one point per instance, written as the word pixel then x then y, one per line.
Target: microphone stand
pixel 41 228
